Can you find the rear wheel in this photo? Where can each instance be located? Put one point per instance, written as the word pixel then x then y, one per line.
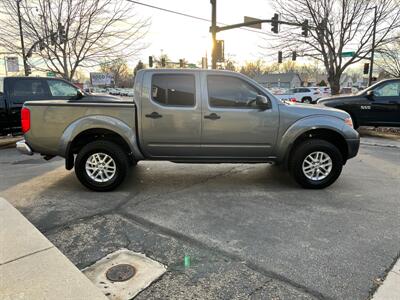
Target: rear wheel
pixel 101 165
pixel 316 164
pixel 306 100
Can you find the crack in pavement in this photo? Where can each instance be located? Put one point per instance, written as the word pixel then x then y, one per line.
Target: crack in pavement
pixel 234 257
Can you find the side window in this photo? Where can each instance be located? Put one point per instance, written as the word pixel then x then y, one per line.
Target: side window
pixel 230 92
pixel 173 90
pixel 388 90
pixel 59 88
pixel 28 89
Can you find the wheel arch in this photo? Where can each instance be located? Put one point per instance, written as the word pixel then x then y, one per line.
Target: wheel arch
pixel 93 128
pixel 330 130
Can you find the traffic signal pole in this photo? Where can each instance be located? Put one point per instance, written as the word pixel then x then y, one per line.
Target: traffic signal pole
pixel 213 30
pixel 371 66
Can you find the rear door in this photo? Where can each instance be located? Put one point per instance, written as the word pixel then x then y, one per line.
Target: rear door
pixel 171 114
pixel 233 125
pixel 23 89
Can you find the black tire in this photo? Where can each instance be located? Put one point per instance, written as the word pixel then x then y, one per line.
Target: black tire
pixel 109 148
pixel 306 100
pixel 301 153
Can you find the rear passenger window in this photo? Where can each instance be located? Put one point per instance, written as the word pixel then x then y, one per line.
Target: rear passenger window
pixel 173 90
pixel 29 89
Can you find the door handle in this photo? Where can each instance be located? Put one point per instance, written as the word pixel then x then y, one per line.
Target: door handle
pixel 212 116
pixel 153 115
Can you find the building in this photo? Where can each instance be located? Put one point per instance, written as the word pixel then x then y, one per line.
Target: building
pixel 279 80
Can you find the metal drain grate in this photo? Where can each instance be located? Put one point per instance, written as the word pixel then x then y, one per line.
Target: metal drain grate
pixel 123 274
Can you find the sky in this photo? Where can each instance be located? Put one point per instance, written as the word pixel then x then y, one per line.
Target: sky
pixel 183 37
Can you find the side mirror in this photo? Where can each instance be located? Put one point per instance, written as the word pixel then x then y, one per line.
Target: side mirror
pixel 262 102
pixel 79 94
pixel 370 94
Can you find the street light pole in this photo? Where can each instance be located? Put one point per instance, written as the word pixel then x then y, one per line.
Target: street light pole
pixel 371 66
pixel 22 38
pixel 213 30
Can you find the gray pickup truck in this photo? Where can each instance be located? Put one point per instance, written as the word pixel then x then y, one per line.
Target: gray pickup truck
pixel 190 116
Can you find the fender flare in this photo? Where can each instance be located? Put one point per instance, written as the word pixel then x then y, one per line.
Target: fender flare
pixel 302 126
pixel 98 122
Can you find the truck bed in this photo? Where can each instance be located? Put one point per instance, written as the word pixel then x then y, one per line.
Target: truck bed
pixel 50 122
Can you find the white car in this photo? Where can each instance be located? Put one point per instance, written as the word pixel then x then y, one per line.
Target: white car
pixel 305 94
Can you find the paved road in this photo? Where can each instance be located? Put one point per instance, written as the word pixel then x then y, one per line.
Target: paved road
pixel 250 230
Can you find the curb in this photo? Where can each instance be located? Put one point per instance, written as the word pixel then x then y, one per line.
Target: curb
pixel 380 145
pixel 31 267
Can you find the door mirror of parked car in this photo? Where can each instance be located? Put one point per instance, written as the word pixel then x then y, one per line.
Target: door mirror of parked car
pixel 79 94
pixel 262 101
pixel 370 94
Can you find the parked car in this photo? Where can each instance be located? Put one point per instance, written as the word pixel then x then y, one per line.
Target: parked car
pixel 377 105
pixel 14 91
pixel 302 94
pixel 190 116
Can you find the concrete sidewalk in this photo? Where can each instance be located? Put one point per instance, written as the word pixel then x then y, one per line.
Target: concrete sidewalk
pixel 390 288
pixel 33 268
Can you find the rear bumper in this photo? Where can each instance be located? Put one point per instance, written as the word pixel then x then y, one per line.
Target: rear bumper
pixel 352 147
pixel 24 148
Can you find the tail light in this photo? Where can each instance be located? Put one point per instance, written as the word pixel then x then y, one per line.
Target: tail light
pixel 292 100
pixel 25 119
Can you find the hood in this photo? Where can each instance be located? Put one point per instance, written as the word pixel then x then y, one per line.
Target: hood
pixel 339 98
pixel 310 109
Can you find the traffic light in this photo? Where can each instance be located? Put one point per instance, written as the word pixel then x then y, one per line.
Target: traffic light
pixel 28 70
pixel 279 57
pixel 163 62
pixel 150 61
pixel 304 28
pixel 61 33
pixel 294 56
pixel 220 51
pixel 275 23
pixel 181 63
pixel 366 68
pixel 53 38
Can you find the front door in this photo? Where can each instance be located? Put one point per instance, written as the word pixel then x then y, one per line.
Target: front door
pixel 171 115
pixel 385 104
pixel 233 125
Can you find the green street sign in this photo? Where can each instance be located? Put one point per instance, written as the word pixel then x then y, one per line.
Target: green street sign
pixel 348 54
pixel 51 74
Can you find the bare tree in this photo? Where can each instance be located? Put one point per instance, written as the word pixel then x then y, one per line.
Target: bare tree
pixel 257 68
pixel 389 59
pixel 336 26
pixel 68 34
pixel 118 68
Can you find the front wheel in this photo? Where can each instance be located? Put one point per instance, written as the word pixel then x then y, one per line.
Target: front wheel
pixel 101 165
pixel 316 164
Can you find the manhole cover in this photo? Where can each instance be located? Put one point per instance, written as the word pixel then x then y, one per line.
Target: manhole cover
pixel 120 272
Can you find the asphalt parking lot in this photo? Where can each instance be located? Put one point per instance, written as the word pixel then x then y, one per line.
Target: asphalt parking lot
pixel 250 231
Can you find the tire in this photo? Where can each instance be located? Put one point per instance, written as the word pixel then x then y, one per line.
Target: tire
pixel 306 100
pixel 321 176
pixel 110 173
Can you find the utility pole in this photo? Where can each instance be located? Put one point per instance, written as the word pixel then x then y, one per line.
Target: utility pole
pixel 213 30
pixel 371 66
pixel 22 38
